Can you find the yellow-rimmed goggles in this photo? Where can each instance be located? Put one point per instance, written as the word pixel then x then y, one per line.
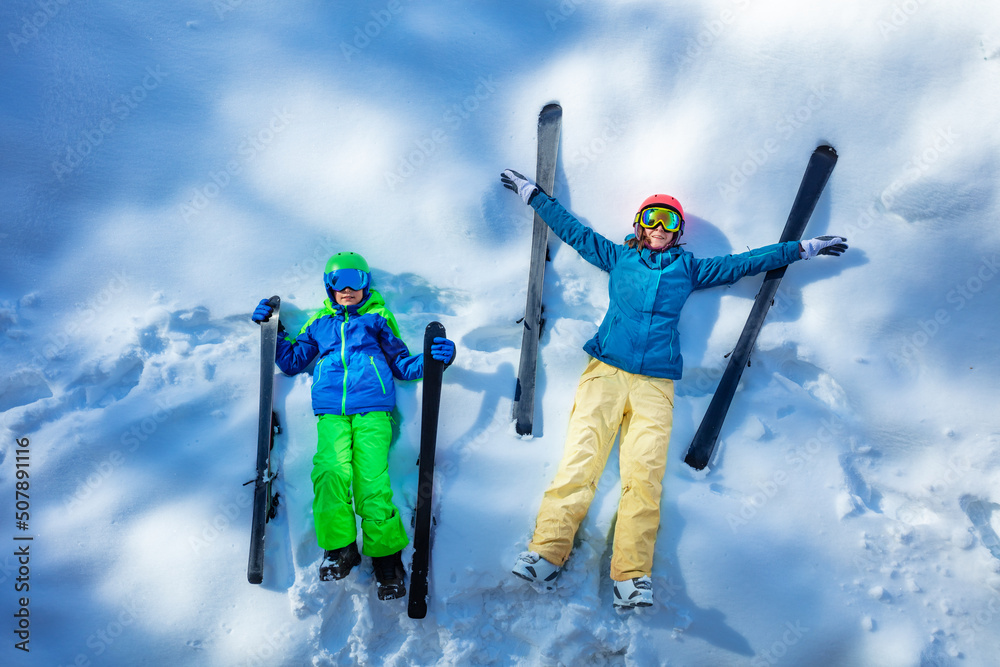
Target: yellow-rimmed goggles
pixel 671 220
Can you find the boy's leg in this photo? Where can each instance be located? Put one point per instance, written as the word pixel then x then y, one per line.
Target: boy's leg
pixel 643 461
pixel 381 524
pixel 594 422
pixel 333 513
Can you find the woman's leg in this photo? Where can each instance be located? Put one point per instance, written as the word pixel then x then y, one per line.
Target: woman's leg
pixel 593 425
pixel 643 461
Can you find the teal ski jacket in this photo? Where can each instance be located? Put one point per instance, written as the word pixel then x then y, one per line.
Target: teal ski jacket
pixel 359 351
pixel 648 289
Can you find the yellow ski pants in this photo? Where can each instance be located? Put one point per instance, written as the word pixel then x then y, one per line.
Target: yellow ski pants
pixel 609 399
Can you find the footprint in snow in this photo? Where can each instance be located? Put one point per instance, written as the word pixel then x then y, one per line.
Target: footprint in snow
pixel 862 495
pixel 22 388
pixel 980 512
pixel 493 338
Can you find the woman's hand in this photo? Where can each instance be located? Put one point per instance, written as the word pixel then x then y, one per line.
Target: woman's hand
pixel 519 184
pixel 823 245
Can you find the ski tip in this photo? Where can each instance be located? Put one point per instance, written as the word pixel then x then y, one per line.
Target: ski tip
pixel 826 149
pixel 695 462
pixel 417 611
pixel 551 109
pixel 416 605
pixel 274 301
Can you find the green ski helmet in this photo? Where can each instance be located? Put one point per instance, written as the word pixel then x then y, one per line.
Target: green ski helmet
pixel 347 269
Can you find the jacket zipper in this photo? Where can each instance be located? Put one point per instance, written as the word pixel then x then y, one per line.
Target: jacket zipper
pixel 656 292
pixel 377 374
pixel 319 371
pixel 343 360
pixel 604 342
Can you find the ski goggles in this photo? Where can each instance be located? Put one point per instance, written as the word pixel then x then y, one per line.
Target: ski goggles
pixel 670 219
pixel 342 279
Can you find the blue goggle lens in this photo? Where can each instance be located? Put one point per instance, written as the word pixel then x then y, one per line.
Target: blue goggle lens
pixel 341 279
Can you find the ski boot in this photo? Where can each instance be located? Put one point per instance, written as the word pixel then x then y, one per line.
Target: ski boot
pixel 540 572
pixel 390 575
pixel 338 563
pixel 631 593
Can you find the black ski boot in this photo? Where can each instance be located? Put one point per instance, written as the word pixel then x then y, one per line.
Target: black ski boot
pixel 338 563
pixel 390 575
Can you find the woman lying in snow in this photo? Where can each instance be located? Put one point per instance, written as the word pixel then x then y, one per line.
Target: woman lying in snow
pixel 628 386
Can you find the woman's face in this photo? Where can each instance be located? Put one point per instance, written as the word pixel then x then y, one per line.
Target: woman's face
pixel 658 238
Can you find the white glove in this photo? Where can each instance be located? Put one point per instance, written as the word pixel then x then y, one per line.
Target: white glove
pixel 519 184
pixel 822 245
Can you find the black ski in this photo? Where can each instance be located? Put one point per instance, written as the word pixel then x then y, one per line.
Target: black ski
pixel 264 504
pixel 549 126
pixel 818 171
pixel 433 370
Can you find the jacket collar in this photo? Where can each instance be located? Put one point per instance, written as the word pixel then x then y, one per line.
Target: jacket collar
pixel 347 311
pixel 657 258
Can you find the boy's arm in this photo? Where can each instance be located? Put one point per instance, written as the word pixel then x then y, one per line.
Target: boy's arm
pixel 294 355
pixel 404 365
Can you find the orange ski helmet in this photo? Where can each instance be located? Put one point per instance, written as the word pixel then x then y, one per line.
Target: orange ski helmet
pixel 659 201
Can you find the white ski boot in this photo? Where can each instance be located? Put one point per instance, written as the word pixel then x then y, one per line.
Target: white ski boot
pixel 540 572
pixel 636 592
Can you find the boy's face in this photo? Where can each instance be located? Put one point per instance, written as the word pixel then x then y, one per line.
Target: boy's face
pixel 348 296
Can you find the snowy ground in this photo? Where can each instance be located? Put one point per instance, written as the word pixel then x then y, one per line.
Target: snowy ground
pixel 167 165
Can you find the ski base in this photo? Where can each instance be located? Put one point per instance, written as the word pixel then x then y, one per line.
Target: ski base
pixel 817 173
pixel 433 372
pixel 264 503
pixel 549 127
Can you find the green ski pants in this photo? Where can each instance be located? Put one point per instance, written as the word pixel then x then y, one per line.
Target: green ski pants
pixel 352 458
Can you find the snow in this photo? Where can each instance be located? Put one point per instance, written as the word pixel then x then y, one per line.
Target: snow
pixel 167 166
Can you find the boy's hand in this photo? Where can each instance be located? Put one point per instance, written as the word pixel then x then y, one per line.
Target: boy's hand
pixel 263 312
pixel 443 349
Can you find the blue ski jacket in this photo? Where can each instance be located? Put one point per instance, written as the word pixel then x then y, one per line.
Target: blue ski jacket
pixel 648 289
pixel 359 352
